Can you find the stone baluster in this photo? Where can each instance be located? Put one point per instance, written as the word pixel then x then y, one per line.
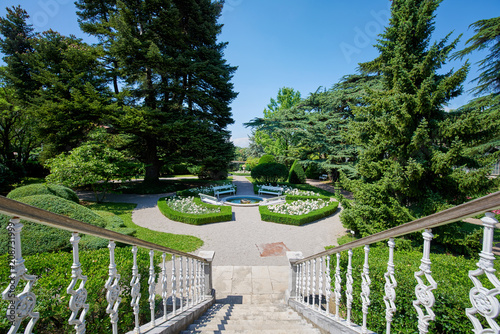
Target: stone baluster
pixel 135 292
pixel 174 287
pixel 365 289
pixel 199 282
pixel 338 288
pixel 390 287
pixel 328 287
pixel 314 278
pixel 152 286
pixel 193 287
pixel 485 301
pixel 349 282
pixel 164 285
pixel 113 289
pixel 181 282
pixel 297 283
pixel 304 282
pixel 78 297
pixel 203 283
pixel 308 291
pixel 423 292
pixel 187 286
pixel 20 305
pixel 320 282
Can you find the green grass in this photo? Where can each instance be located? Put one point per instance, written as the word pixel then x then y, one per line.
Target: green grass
pixel 184 243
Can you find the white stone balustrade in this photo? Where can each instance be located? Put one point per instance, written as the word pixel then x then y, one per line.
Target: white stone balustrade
pixel 22 304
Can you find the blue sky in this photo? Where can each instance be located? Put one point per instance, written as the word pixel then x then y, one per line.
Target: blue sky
pixel 303 44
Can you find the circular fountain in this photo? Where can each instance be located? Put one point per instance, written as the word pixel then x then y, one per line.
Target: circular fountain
pixel 243 200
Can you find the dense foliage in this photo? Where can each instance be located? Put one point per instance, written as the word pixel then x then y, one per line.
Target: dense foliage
pixel 44 189
pixel 296 174
pixel 270 172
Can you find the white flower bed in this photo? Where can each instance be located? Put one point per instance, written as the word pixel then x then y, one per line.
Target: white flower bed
pixel 298 192
pixel 300 207
pixel 187 205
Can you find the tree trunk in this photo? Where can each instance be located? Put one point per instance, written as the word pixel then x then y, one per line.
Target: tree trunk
pixel 152 162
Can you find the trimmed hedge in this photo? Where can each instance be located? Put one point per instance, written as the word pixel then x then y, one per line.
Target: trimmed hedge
pixel 38 238
pixel 44 189
pixel 279 218
pixel 452 293
pixel 270 172
pixel 296 174
pixel 226 213
pixel 54 276
pixel 296 198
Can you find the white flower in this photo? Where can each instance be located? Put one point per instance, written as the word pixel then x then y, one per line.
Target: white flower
pixel 187 205
pixel 300 207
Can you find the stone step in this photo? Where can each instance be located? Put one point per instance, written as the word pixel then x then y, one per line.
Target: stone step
pixel 248 318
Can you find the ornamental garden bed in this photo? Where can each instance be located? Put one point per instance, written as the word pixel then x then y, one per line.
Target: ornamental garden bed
pixel 191 210
pixel 299 212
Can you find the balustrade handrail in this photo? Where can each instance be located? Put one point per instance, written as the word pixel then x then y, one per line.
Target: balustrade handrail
pixel 462 211
pixel 24 211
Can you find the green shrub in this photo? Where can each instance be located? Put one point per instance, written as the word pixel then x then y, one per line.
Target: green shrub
pixel 296 174
pixel 44 189
pixel 225 214
pixel 54 276
pixel 452 293
pixel 251 163
pixel 313 171
pixel 268 216
pixel 38 238
pixel 6 177
pixel 267 159
pixel 270 172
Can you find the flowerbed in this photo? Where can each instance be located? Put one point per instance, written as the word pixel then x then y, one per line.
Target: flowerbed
pixel 298 212
pixel 195 211
pixel 298 192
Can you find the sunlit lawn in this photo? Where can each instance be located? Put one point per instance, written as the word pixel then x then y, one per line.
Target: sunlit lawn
pixel 184 243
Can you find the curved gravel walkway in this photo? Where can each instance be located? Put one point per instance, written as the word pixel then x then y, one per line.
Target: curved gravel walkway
pixel 236 243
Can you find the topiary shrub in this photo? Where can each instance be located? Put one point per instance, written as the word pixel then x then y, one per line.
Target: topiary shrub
pixel 296 174
pixel 44 189
pixel 267 159
pixel 270 172
pixel 37 238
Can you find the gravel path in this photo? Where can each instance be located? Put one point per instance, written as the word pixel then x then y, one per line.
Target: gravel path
pixel 237 242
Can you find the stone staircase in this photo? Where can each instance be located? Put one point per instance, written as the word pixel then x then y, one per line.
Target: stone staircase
pixel 251 318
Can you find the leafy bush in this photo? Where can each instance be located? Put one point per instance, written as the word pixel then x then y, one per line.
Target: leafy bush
pixel 44 189
pixel 452 294
pixel 313 171
pixel 270 172
pixel 297 174
pixel 267 159
pixel 38 238
pixel 54 276
pixel 6 177
pixel 225 214
pixel 251 163
pixel 268 216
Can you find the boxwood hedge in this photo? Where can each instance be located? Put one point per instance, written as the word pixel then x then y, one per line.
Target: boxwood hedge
pixel 225 214
pixel 54 276
pixel 44 189
pixel 268 216
pixel 452 293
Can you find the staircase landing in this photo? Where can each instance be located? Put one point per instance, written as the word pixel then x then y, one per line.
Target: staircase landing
pixel 250 284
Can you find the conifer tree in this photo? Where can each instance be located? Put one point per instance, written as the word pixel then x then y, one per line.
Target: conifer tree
pixel 412 160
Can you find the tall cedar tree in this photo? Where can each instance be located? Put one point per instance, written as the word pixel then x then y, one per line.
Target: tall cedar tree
pixel 177 94
pixel 413 160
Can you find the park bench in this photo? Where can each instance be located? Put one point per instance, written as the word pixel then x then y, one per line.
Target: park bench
pixel 273 200
pixel 225 189
pixel 323 177
pixel 209 199
pixel 270 190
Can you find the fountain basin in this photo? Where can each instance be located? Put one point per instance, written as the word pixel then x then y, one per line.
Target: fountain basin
pixel 243 200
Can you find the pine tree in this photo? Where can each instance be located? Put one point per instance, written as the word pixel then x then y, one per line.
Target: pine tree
pixel 412 160
pixel 177 82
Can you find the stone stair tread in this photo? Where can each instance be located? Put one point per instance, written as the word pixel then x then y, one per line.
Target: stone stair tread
pixel 251 318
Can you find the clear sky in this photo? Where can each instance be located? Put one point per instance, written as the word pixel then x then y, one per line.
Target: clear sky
pixel 302 44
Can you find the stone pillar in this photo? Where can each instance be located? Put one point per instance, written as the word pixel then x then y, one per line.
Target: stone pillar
pixel 209 256
pixel 293 257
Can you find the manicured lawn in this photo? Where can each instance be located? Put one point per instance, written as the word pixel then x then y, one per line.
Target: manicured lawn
pixel 184 243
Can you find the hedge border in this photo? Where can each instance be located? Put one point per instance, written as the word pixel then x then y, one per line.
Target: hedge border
pixel 226 213
pixel 279 218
